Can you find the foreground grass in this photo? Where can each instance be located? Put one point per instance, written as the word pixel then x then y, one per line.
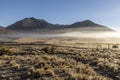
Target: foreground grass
pixel 58 63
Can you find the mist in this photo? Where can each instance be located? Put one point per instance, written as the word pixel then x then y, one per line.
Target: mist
pixel 92 34
pixel 97 35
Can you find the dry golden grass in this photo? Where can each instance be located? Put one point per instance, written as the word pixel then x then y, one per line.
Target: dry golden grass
pixel 51 62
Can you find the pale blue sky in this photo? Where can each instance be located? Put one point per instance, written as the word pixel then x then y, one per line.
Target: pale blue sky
pixel 105 12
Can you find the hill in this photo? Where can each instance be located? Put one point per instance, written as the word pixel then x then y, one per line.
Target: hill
pixel 5 31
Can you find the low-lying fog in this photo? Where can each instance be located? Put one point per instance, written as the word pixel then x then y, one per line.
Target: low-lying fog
pixel 70 34
pixel 92 35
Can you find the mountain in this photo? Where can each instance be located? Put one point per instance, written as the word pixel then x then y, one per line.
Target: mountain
pixel 83 23
pixel 39 25
pixel 1 27
pixel 5 31
pixel 30 24
pixel 88 26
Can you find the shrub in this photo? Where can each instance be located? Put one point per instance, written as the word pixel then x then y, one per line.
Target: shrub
pixel 40 72
pixel 14 64
pixel 32 69
pixel 50 72
pixel 1 63
pixel 4 51
pixel 3 76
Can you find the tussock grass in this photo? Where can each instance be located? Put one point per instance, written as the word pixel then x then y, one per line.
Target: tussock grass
pixel 58 63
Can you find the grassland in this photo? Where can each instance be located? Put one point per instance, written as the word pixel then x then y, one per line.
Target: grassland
pixel 58 59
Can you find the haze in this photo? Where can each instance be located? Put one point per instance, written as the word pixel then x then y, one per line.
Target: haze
pixel 69 34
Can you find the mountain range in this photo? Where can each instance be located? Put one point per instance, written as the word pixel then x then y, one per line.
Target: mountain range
pixel 33 25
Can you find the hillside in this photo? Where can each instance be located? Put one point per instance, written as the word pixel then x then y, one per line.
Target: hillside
pixel 6 31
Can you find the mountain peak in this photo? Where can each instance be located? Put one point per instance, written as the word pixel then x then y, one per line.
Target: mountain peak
pixel 88 21
pixel 84 23
pixel 33 19
pixel 28 24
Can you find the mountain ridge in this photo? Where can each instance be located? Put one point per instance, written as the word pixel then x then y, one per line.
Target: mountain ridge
pixel 32 24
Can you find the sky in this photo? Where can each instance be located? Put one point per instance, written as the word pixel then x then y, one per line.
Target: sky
pixel 105 12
